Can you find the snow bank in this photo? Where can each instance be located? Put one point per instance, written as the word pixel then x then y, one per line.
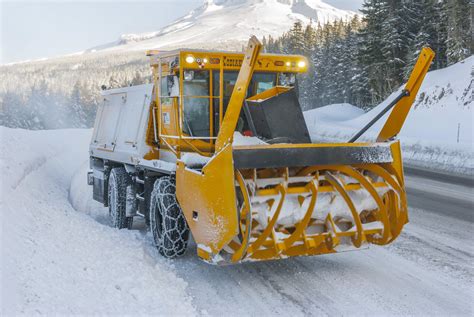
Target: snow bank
pixel 335 112
pixel 293 211
pixel 444 107
pixel 194 159
pixel 56 260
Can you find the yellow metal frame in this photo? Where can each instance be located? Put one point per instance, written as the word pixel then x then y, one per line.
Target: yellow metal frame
pixel 238 95
pixel 219 201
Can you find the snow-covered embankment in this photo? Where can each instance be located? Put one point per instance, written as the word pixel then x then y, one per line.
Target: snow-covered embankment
pixel 56 260
pixel 438 132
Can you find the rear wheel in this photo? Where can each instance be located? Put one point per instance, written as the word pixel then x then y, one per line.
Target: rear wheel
pixel 118 182
pixel 167 223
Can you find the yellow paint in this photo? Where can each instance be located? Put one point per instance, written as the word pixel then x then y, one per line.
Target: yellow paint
pixel 232 60
pixel 269 93
pixel 210 194
pixel 238 95
pixel 400 112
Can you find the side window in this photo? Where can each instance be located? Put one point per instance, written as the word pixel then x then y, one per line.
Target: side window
pixel 229 83
pixel 229 79
pixel 287 79
pixel 261 82
pixel 164 95
pixel 196 116
pixel 228 86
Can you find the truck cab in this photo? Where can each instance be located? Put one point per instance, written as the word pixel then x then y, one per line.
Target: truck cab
pixel 193 89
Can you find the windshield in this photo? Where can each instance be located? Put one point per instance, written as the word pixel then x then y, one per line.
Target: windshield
pixel 196 104
pixel 260 82
pixel 202 100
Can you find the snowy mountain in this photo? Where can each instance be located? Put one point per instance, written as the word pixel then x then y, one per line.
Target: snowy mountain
pixel 227 24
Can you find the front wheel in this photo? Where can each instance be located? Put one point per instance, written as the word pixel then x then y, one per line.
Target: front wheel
pixel 167 223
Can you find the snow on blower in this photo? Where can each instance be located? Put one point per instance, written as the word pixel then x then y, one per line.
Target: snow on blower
pixel 218 146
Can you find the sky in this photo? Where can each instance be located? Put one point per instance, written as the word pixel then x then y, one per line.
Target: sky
pixel 36 29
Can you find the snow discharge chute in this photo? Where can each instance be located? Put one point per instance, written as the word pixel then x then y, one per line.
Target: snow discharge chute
pixel 218 146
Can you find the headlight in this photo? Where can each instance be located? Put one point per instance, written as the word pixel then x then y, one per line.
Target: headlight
pixel 301 64
pixel 189 59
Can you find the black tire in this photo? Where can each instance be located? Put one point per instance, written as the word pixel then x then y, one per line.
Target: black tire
pixel 118 182
pixel 167 223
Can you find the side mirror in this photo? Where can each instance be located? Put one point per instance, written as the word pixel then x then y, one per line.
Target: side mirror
pixel 188 75
pixel 173 85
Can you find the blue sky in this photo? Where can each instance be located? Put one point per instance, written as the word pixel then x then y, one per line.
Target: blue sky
pixel 36 29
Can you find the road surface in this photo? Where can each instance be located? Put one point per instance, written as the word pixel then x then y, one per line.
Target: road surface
pixel 428 269
pixel 439 193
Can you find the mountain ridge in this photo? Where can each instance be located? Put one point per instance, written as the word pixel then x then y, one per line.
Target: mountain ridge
pixel 229 23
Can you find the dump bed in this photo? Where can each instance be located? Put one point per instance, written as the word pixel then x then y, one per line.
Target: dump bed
pixel 121 124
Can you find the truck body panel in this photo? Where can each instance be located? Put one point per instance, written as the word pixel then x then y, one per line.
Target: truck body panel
pixel 121 125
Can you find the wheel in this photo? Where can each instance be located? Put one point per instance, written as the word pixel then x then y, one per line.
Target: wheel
pixel 167 223
pixel 118 182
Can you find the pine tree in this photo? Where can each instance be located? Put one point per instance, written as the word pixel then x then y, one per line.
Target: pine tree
pixel 113 82
pixel 441 26
pixel 137 79
pixel 309 37
pixel 296 42
pixel 11 108
pixel 458 30
pixel 77 107
pixel 423 12
pixel 370 55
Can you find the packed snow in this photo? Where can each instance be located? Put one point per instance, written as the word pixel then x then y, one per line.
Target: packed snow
pixel 194 160
pixel 293 211
pixel 242 140
pixel 60 256
pixel 438 131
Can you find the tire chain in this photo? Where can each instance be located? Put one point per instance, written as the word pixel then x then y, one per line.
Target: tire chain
pixel 171 238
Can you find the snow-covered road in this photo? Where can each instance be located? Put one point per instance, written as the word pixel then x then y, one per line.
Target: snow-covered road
pixel 441 194
pixel 59 255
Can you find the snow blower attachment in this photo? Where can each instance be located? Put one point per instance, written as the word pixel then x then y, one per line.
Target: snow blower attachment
pixel 223 150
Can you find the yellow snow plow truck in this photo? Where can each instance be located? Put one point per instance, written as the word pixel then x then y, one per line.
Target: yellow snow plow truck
pixel 218 146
